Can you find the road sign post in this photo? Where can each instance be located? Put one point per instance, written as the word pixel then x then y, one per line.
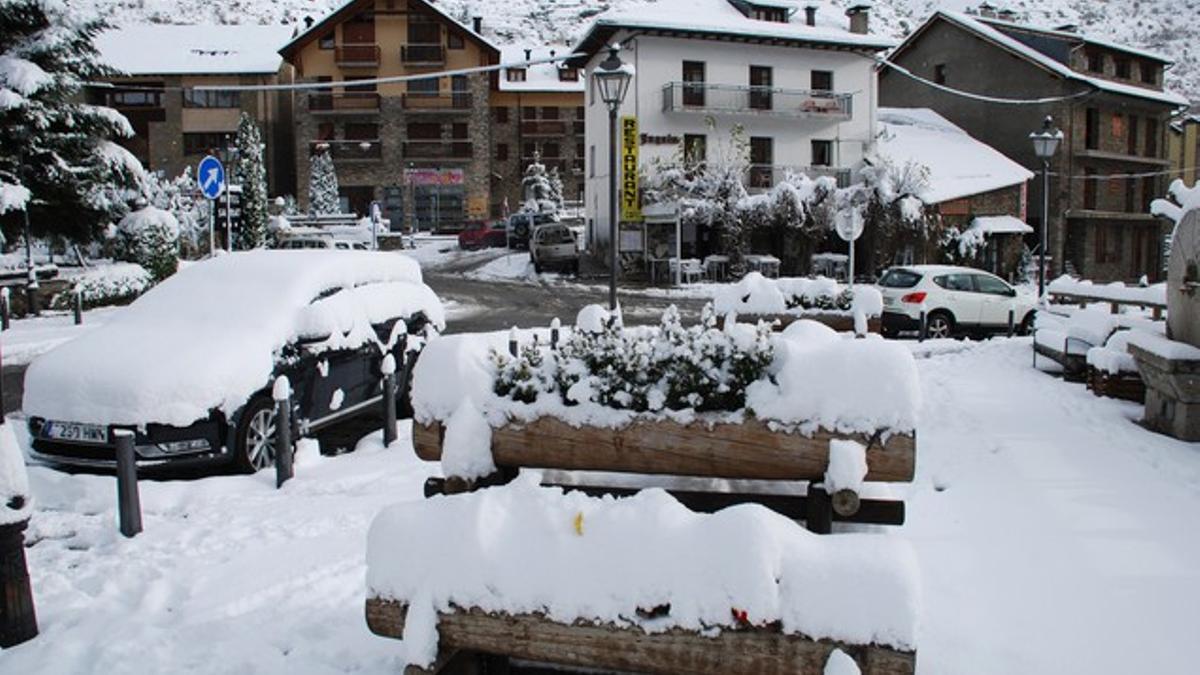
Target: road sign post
pixel 210 175
pixel 849 226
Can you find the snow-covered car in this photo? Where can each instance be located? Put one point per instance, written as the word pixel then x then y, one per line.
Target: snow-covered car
pixel 326 242
pixel 554 245
pixel 955 300
pixel 189 366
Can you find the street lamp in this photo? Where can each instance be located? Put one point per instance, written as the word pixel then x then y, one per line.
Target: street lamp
pixel 612 78
pixel 1045 144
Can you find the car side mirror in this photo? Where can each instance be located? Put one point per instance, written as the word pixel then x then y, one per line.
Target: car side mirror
pixel 1011 292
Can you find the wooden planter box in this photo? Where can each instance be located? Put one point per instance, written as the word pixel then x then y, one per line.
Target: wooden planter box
pixel 1125 386
pixel 750 450
pixel 532 637
pixel 843 323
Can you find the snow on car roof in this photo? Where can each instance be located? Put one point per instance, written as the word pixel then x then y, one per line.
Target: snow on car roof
pixel 208 336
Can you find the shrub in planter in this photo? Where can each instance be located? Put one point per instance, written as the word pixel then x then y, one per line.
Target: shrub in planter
pixel 115 284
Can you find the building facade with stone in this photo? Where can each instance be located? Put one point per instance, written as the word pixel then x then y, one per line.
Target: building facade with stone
pixel 1108 100
pixel 175 122
pixel 434 152
pixel 1183 143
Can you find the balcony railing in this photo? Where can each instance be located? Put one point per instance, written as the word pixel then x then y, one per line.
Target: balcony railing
pixel 434 55
pixel 437 150
pixel 746 100
pixel 343 150
pixel 357 55
pixel 349 102
pixel 532 127
pixel 766 176
pixel 456 101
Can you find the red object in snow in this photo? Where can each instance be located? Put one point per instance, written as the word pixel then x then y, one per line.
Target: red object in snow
pixel 483 235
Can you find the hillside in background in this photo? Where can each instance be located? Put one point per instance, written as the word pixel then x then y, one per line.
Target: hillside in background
pixel 1162 25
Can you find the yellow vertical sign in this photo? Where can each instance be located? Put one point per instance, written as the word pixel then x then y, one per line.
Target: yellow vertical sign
pixel 631 203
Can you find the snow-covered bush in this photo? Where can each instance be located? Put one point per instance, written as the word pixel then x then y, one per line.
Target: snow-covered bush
pixel 646 369
pixel 541 190
pixel 115 284
pixel 755 294
pixel 181 197
pixel 323 185
pixel 150 238
pixel 253 176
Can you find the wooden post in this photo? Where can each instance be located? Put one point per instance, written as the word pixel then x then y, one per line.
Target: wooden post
pixel 388 368
pixel 129 508
pixel 77 303
pixel 282 394
pixel 820 510
pixel 924 326
pixel 4 308
pixel 18 620
pixel 512 341
pixel 1011 318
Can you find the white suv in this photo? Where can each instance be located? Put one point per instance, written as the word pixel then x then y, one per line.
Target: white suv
pixel 554 245
pixel 955 299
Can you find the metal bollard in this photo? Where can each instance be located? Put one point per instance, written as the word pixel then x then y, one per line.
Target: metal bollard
pixel 78 302
pixel 388 368
pixel 512 341
pixel 555 326
pixel 924 327
pixel 282 394
pixel 4 308
pixel 1011 318
pixel 129 507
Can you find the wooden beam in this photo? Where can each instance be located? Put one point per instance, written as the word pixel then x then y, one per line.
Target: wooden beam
pixel 532 637
pixel 750 450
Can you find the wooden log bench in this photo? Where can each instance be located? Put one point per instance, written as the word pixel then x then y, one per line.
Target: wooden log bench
pixel 1114 304
pixel 747 451
pixel 1072 356
pixel 471 638
pixel 1125 386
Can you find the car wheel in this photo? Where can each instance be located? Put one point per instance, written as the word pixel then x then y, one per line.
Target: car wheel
pixel 939 324
pixel 575 268
pixel 1026 327
pixel 537 267
pixel 254 440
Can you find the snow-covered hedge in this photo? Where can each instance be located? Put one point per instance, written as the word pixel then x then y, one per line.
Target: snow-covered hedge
pixel 114 284
pixel 150 238
pixel 756 294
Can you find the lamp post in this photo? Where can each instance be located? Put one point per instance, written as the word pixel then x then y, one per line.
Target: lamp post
pixel 612 78
pixel 1045 144
pixel 228 157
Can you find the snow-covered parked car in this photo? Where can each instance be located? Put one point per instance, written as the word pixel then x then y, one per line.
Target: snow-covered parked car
pixel 189 366
pixel 955 300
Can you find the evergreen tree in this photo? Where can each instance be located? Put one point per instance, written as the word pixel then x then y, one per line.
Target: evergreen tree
pixel 556 189
pixel 57 158
pixel 253 177
pixel 180 196
pixel 538 190
pixel 322 185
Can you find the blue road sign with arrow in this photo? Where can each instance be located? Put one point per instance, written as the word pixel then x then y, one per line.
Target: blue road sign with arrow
pixel 211 177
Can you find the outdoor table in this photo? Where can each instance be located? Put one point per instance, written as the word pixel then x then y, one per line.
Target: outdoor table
pixel 716 267
pixel 767 265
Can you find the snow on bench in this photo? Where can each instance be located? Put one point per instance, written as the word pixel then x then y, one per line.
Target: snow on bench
pixel 787 299
pixel 1116 294
pixel 639 584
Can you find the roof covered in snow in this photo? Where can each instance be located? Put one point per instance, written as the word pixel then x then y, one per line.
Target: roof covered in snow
pixel 959 165
pixel 1077 38
pixel 542 76
pixel 999 38
pixel 193 50
pixel 348 9
pixel 1000 225
pixel 700 18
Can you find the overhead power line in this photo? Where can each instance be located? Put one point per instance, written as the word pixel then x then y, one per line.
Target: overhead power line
pixel 982 97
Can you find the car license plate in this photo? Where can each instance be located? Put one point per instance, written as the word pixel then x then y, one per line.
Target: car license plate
pixel 73 431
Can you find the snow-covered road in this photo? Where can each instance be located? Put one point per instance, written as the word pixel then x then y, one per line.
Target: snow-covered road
pixel 1053 533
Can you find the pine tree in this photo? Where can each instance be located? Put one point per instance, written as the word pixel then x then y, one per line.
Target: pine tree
pixel 537 189
pixel 56 154
pixel 323 185
pixel 180 196
pixel 253 176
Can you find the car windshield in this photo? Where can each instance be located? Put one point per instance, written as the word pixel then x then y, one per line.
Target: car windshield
pixel 898 278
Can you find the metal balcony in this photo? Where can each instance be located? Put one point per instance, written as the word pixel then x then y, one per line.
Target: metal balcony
pixel 343 150
pixel 433 149
pixel 453 102
pixel 349 102
pixel 727 99
pixel 357 55
pixel 766 176
pixel 422 55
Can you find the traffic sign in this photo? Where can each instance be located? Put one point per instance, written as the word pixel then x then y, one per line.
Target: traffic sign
pixel 211 177
pixel 849 224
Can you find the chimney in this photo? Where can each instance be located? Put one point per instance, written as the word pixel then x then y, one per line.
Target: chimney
pixel 477 24
pixel 308 22
pixel 987 10
pixel 1006 15
pixel 810 15
pixel 528 54
pixel 860 17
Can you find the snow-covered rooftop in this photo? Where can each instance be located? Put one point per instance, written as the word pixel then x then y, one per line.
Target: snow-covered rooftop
pixel 1016 46
pixel 721 17
pixel 959 165
pixel 1077 36
pixel 1000 225
pixel 540 77
pixel 160 49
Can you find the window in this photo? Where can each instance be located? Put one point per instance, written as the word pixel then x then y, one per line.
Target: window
pixel 1108 243
pixel 1149 72
pixel 528 113
pixel 1091 136
pixel 366 86
pixel 459 131
pixel 1095 61
pixel 772 14
pixel 939 73
pixel 425 87
pixel 1089 188
pixel 528 149
pixel 1151 137
pixel 1149 192
pixel 205 142
pixel 326 41
pixel 568 74
pixel 135 99
pixel 1118 126
pixel 895 278
pixel 693 75
pixel 362 132
pixel 502 152
pixel 515 74
pixel 991 285
pixel 423 30
pixel 429 131
pixel 579 114
pixel 822 80
pixel 822 153
pixel 500 115
pixel 695 149
pixel 211 99
pixel 325 131
pixel 762 157
pixel 1131 140
pixel 1123 67
pixel 956 282
pixel 579 150
pixel 551 151
pixel 760 87
pixel 454 41
pixel 549 113
pixel 1130 195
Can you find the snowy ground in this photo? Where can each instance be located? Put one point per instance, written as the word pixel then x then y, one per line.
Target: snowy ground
pixel 28 338
pixel 1054 535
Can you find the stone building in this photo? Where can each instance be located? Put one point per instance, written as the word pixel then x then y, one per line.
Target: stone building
pixel 434 152
pixel 1183 147
pixel 1109 103
pixel 176 125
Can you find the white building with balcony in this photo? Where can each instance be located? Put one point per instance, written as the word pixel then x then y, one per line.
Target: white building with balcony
pixel 797 77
